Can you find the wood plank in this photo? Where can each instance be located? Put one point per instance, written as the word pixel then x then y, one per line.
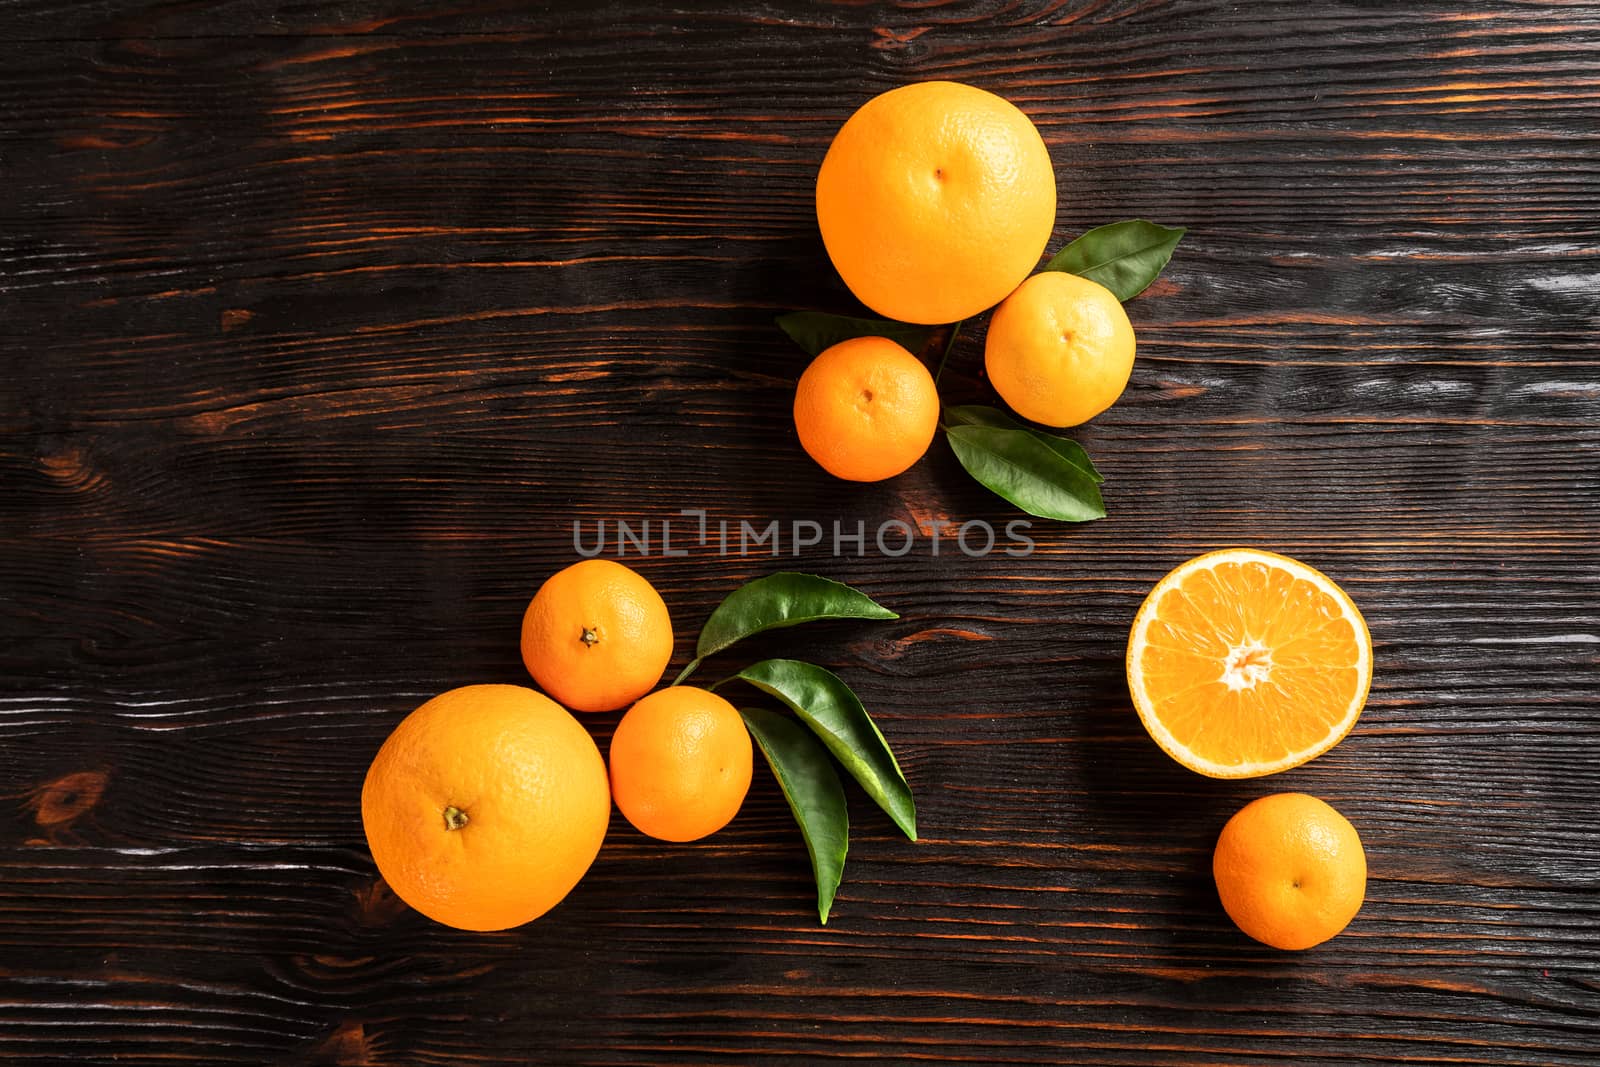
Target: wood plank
pixel 325 324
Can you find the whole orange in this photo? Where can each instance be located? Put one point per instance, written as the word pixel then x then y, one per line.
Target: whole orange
pixel 1290 870
pixel 596 636
pixel 1059 349
pixel 934 200
pixel 485 806
pixel 680 763
pixel 866 409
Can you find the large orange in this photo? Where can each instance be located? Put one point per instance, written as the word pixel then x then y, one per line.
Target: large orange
pixel 680 763
pixel 1243 662
pixel 1290 870
pixel 935 200
pixel 866 409
pixel 596 636
pixel 485 806
pixel 1059 349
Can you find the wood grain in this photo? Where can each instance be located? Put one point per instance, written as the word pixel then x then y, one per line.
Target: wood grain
pixel 326 323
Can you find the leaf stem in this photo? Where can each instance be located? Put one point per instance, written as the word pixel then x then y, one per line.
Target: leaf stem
pixel 955 331
pixel 690 669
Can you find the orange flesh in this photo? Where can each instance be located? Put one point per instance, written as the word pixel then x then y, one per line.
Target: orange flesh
pixel 1248 664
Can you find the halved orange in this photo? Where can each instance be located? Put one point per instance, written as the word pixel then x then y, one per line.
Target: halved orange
pixel 1243 663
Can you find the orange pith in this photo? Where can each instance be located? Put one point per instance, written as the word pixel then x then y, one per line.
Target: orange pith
pixel 1244 662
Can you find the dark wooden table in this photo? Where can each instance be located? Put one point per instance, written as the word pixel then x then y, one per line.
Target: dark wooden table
pixel 323 324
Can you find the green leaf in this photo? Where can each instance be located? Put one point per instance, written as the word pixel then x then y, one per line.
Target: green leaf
pixel 816 331
pixel 835 714
pixel 811 786
pixel 1065 447
pixel 1125 257
pixel 783 599
pixel 1024 470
